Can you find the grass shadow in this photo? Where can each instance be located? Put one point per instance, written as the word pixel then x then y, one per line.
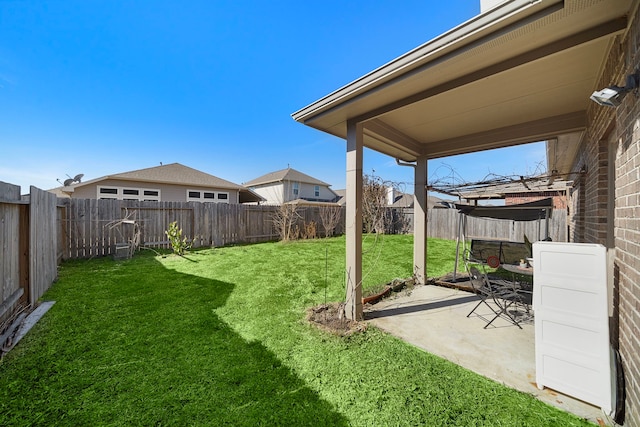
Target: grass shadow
pixel 135 343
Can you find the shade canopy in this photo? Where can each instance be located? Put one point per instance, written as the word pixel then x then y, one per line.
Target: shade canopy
pixel 521 212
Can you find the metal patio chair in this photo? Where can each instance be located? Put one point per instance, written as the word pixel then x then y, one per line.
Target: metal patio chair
pixel 498 295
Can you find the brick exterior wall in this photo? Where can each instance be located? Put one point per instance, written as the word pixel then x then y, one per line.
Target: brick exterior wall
pixel 559 198
pixel 615 132
pixel 627 229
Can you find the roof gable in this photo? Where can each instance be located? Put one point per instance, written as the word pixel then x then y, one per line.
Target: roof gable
pixel 174 173
pixel 288 174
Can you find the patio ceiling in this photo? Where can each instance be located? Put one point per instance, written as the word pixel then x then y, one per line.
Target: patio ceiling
pixel 521 72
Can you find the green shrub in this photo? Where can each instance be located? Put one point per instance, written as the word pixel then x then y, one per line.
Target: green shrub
pixel 179 243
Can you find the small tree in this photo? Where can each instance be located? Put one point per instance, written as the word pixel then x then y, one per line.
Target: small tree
pixel 374 204
pixel 377 215
pixel 330 217
pixel 179 243
pixel 284 218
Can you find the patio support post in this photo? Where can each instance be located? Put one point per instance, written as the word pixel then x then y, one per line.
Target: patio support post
pixel 353 223
pixel 420 221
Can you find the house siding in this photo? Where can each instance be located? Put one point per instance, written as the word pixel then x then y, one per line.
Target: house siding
pixel 282 192
pixel 614 135
pixel 168 192
pixel 272 193
pixel 307 192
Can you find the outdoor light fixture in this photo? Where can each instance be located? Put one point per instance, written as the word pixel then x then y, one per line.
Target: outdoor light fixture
pixel 612 96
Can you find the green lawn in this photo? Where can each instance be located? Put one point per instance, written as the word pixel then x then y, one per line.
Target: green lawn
pixel 219 338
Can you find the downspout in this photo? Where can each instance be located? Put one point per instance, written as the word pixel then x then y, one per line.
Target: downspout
pixel 403 163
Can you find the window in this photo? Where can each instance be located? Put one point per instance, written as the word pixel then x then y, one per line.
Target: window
pixel 149 195
pixel 207 196
pixel 296 188
pixel 316 191
pixel 120 193
pixel 108 193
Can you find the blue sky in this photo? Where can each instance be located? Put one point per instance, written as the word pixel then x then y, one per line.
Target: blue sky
pixel 101 87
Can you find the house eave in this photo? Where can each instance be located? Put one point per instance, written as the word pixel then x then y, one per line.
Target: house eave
pixel 457 38
pixel 519 73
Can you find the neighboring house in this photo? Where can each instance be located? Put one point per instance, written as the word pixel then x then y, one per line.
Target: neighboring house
pixel 397 199
pixel 522 71
pixel 403 200
pixel 168 183
pixel 518 192
pixel 287 185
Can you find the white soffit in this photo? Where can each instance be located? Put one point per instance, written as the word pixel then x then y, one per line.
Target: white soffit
pixel 468 32
pixel 523 77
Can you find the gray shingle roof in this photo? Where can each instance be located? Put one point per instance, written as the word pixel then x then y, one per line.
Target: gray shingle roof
pixel 175 173
pixel 285 175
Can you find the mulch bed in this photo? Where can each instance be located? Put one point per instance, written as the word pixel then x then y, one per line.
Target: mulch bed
pixel 331 317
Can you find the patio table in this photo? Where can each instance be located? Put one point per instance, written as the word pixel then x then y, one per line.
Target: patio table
pixel 523 288
pixel 517 269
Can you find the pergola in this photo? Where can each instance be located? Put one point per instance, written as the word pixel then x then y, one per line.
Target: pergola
pixel 521 72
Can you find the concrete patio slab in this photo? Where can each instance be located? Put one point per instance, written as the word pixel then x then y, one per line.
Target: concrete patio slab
pixel 433 318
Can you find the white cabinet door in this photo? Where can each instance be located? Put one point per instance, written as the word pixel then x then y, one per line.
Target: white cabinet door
pixel 571 321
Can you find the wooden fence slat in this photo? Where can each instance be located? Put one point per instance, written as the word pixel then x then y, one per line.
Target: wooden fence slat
pixel 43 242
pixel 10 259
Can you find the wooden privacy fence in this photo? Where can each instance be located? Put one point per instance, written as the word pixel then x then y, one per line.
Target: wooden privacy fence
pixel 443 224
pixel 28 247
pixel 92 228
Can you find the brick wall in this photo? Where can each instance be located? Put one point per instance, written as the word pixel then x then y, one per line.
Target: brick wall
pixel 627 235
pixel 559 198
pixel 616 130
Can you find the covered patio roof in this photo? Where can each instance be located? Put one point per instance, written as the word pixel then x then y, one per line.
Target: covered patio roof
pixel 521 72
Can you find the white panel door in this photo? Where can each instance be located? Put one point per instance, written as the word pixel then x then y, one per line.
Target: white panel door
pixel 571 321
